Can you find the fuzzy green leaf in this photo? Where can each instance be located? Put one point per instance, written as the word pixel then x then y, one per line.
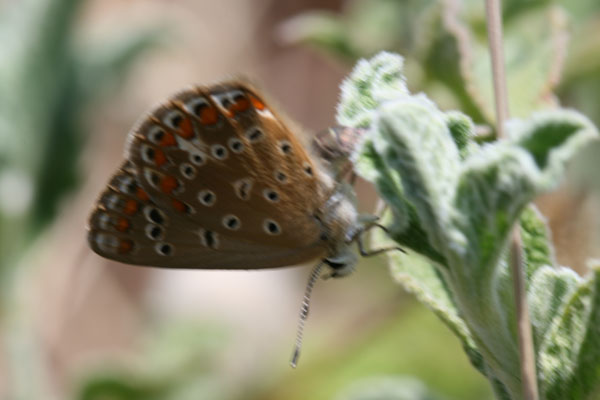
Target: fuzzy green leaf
pixel 569 358
pixel 466 204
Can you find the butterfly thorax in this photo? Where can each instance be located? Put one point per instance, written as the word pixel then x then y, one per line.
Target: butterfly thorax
pixel 340 224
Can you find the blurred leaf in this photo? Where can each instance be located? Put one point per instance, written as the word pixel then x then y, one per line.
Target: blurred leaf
pixel 320 29
pixel 534 46
pixel 177 363
pixel 410 341
pixel 46 84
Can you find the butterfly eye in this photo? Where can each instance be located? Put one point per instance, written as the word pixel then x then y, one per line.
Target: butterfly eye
pixel 254 135
pixel 271 227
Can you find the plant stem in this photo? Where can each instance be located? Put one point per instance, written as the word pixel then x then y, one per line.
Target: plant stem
pixel 526 352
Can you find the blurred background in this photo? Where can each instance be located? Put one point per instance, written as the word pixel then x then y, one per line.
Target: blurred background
pixel 74 77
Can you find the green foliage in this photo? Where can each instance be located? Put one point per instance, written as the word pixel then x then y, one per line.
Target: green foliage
pixel 445 44
pixel 396 388
pixel 407 342
pixel 47 80
pixel 178 363
pixel 463 205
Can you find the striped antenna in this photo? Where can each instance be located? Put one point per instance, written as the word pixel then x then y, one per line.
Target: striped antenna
pixel 314 275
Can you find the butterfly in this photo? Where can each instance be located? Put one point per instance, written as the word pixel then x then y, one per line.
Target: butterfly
pixel 215 178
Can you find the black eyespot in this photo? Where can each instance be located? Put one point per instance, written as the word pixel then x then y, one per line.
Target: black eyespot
pixel 308 169
pixel 131 187
pixel 197 158
pixel 231 222
pixel 210 239
pixel 255 134
pixel 149 153
pixel 244 191
pixel 219 152
pixel 285 146
pixel 197 108
pixel 188 209
pixel 281 177
pixel 271 227
pixel 242 188
pixel 164 249
pixel 175 120
pixel 236 145
pixel 151 176
pixel 323 236
pixel 156 135
pixel 225 103
pixel 187 170
pixel 271 195
pixel 154 232
pixel 156 216
pixel 207 197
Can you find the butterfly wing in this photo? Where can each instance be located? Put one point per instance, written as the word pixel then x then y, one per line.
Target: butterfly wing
pixel 219 182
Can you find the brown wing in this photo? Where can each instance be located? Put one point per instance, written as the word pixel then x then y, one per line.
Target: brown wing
pixel 231 184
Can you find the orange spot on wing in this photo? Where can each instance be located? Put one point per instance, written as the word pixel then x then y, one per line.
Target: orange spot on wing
pixel 168 184
pixel 259 105
pixel 179 205
pixel 122 224
pixel 241 104
pixel 142 195
pixel 209 115
pixel 125 246
pixel 168 140
pixel 159 157
pixel 131 207
pixel 186 129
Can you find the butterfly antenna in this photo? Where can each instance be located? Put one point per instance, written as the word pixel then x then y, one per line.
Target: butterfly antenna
pixel 314 275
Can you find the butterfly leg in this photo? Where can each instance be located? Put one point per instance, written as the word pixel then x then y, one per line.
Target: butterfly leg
pixel 373 252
